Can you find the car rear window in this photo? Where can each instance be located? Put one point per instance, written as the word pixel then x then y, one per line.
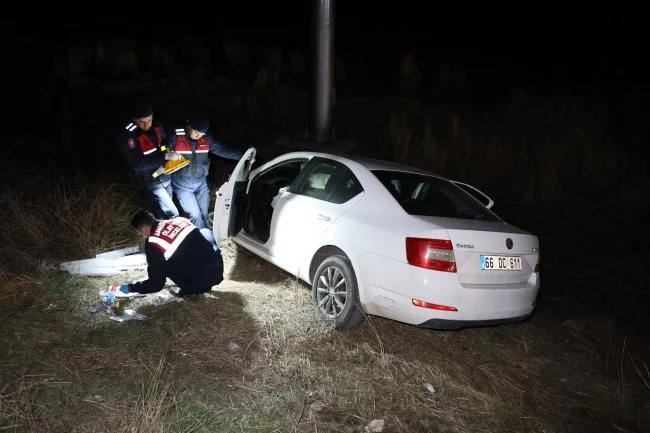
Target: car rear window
pixel 431 196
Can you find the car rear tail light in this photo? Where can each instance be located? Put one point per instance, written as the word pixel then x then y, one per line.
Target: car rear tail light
pixel 436 254
pixel 424 304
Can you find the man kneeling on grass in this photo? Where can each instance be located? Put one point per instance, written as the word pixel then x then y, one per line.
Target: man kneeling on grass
pixel 178 250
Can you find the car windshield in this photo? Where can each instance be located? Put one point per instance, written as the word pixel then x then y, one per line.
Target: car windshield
pixel 431 196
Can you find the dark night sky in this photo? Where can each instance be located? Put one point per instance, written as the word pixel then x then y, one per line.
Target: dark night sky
pixel 539 37
pixel 544 46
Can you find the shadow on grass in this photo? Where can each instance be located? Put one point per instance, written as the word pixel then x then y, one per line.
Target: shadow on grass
pixel 59 372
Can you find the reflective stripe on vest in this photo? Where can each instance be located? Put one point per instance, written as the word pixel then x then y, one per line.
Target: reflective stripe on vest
pixel 169 234
pixel 146 145
pixel 202 145
pixel 183 146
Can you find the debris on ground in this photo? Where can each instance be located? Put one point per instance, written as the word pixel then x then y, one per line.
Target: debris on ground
pixel 108 263
pixel 114 303
pixel 375 426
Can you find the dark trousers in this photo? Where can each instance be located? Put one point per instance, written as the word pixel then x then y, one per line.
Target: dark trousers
pixel 203 283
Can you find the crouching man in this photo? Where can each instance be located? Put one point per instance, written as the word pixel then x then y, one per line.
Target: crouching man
pixel 178 250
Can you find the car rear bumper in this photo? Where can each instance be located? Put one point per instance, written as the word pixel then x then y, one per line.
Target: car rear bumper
pixel 474 307
pixel 448 324
pixel 393 289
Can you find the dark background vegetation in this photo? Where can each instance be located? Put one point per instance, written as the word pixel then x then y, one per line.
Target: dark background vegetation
pixel 544 107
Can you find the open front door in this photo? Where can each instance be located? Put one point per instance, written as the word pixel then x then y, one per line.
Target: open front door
pixel 224 202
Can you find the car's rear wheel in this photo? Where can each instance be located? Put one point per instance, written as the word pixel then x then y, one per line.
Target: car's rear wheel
pixel 335 293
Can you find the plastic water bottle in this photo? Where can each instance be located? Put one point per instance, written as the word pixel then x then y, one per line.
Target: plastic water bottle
pixel 108 297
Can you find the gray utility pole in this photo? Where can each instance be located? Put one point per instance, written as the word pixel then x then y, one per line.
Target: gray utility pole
pixel 321 130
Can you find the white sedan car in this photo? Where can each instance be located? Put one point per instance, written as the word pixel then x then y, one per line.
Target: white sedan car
pixel 375 237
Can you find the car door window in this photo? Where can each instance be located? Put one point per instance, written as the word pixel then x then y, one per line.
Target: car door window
pixel 263 190
pixel 281 175
pixel 346 188
pixel 330 181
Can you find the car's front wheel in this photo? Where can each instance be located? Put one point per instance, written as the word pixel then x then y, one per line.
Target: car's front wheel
pixel 335 293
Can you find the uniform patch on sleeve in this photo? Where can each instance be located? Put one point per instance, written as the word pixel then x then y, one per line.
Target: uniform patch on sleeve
pixel 131 143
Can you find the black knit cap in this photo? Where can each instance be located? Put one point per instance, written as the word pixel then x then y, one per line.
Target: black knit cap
pixel 199 124
pixel 142 109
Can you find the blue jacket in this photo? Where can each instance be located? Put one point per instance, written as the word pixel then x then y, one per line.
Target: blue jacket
pixel 144 151
pixel 177 250
pixel 197 151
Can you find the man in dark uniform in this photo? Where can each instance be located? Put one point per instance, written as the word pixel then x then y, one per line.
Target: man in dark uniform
pixel 142 144
pixel 177 250
pixel 190 184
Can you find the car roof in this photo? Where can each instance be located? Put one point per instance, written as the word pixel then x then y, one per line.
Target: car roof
pixel 378 164
pixel 366 162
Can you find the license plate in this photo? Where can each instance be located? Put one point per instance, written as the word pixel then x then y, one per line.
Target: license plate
pixel 500 263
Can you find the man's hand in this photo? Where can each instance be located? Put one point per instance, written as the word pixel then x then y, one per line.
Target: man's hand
pixel 172 156
pixel 124 288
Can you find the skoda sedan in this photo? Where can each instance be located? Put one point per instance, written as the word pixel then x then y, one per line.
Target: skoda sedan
pixel 378 238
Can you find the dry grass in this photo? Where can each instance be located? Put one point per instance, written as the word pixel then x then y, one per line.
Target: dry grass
pixel 18 290
pixel 154 400
pixel 50 220
pixel 253 357
pixel 19 407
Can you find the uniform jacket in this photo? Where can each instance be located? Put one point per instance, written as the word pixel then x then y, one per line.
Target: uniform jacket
pixel 143 150
pixel 177 250
pixel 197 152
